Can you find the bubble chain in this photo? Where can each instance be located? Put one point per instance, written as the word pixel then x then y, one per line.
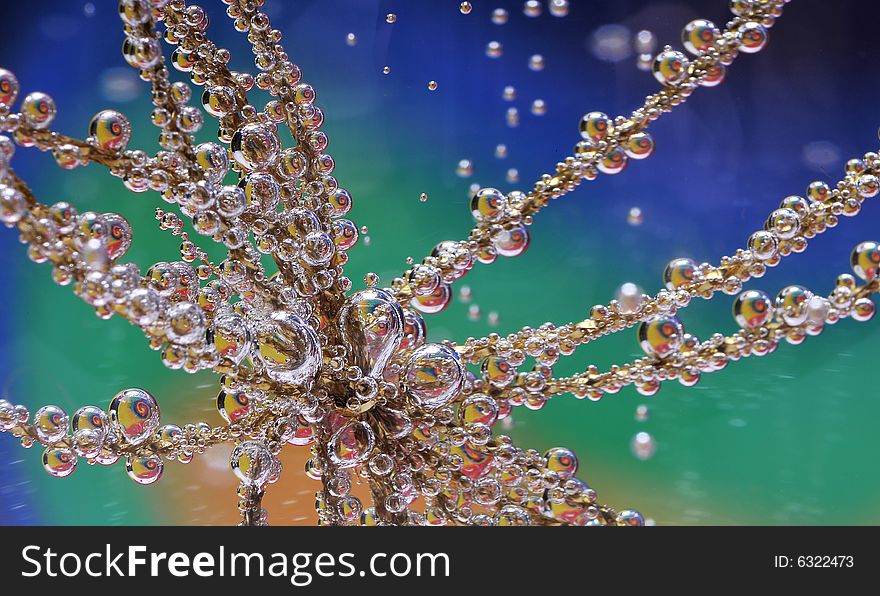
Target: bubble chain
pixel 304 362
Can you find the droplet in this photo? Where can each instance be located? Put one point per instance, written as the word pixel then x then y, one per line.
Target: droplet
pixel 661 336
pixel 372 326
pixel 562 461
pixel 671 67
pixel 391 18
pixel 512 242
pixel 251 462
pixel 536 62
pixel 494 49
pixel 231 337
pixel 629 298
pixel 628 517
pixel 679 272
pixel 345 234
pixel 488 204
pixel 186 323
pixel 414 330
pixel 351 39
pixel 474 312
pixel 8 88
pixel 639 146
pixel 865 260
pixel 792 304
pixel 500 16
pixel 595 126
pixel 433 302
pixel 643 445
pixel 386 70
pixel 144 469
pixel 752 308
pixel 90 418
pixel 498 371
pixel 51 424
pixel 465 7
pixel 433 375
pixel 135 414
pixel 532 8
pixel 699 35
pixel 304 433
pixel 288 348
pixel 752 37
pixel 233 405
pixel 478 409
pixel 432 85
pixel 509 93
pixel 539 107
pixel 558 8
pixel 635 217
pixel 38 110
pixel 465 168
pixel 351 444
pixel 493 319
pixel 59 461
pixel 642 413
pixel 255 145
pixel 512 515
pixel 423 197
pixel 110 129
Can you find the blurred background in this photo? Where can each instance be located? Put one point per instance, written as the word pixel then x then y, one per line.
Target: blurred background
pixel 786 439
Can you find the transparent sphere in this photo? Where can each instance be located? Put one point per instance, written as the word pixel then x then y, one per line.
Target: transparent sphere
pixel 752 37
pixel 59 461
pixel 110 129
pixel 661 336
pixel 488 204
pixel 288 348
pixel 595 126
pixel 251 462
pixel 51 424
pixel 213 159
pixel 478 409
pixel 628 517
pixel 8 88
pixel 753 308
pixel 351 444
pixel 792 304
pixel 670 67
pixel 433 375
pixel 255 146
pixel 186 323
pixel 134 413
pixel 562 461
pixel 38 109
pixel 679 272
pixel 699 35
pixel 90 418
pixel 865 260
pixel 144 469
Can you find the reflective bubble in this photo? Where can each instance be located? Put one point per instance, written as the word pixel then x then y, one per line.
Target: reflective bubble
pixel 819 192
pixel 167 432
pixel 863 309
pixel 498 371
pixel 562 461
pixel 595 126
pixel 51 424
pixel 38 109
pixel 90 418
pixel 289 349
pixel 318 248
pixel 218 100
pixel 87 442
pixel 753 308
pixel 512 242
pixel 340 200
pixel 255 145
pixel 488 204
pixel 614 161
pixel 784 223
pixel 345 234
pixel 13 205
pixel 865 260
pixel 144 469
pixel 792 304
pixel 8 88
pixel 231 337
pixel 59 461
pixel 372 326
pixel 414 330
pixel 752 37
pixel 292 164
pixel 643 445
pixel 670 67
pixel 351 444
pixel 679 272
pixel 231 201
pixel 433 375
pixel 628 517
pixel 213 159
pixel 699 35
pixel 261 190
pixel 233 405
pixel 478 409
pixel 434 302
pixel 251 462
pixel 639 146
pixel 763 245
pixel 661 336
pixel 186 323
pixel 304 433
pixel 141 53
pixel 110 129
pixel 714 76
pixel 135 414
